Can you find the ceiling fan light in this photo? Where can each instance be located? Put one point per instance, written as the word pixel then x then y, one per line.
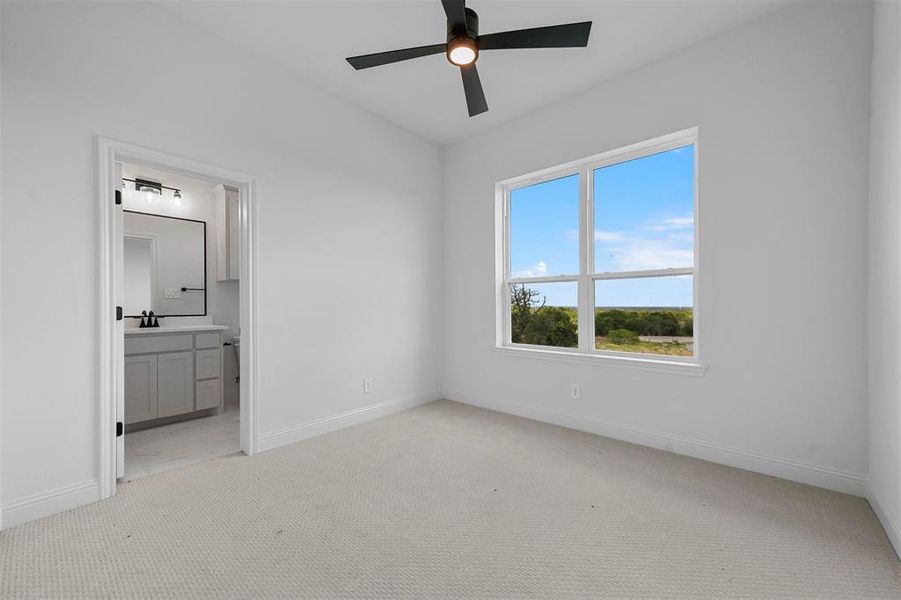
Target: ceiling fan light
pixel 462 52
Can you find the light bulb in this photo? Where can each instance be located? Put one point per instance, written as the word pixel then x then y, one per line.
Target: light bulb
pixel 462 51
pixel 149 193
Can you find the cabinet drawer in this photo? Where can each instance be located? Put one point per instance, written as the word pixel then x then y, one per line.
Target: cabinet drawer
pixel 151 344
pixel 208 340
pixel 209 394
pixel 209 363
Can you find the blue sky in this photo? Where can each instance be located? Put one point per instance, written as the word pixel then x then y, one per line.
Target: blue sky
pixel 643 220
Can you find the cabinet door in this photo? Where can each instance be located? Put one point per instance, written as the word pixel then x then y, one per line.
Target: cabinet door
pixel 209 393
pixel 234 236
pixel 176 383
pixel 140 388
pixel 228 233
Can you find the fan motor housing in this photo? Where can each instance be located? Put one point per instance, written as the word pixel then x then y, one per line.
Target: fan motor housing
pixel 471 30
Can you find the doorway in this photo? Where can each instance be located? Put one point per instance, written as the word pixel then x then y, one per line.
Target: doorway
pixel 177 238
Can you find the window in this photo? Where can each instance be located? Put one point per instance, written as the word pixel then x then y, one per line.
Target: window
pixel 599 256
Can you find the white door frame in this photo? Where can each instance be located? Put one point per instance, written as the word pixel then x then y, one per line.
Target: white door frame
pixel 111 340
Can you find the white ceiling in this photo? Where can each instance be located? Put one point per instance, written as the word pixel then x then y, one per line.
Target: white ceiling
pixel 312 39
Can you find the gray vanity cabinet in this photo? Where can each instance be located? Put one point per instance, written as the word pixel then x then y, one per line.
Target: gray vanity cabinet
pixel 169 374
pixel 140 388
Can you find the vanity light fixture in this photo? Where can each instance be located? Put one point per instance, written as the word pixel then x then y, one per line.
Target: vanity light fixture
pixel 150 190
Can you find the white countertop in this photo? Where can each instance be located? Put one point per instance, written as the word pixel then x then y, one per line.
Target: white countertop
pixel 173 329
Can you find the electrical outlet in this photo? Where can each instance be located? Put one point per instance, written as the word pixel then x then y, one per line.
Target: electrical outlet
pixel 575 392
pixel 367 385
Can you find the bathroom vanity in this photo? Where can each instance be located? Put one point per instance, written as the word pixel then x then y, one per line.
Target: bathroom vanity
pixel 172 372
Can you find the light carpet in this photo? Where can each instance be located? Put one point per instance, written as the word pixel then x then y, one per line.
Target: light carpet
pixel 450 501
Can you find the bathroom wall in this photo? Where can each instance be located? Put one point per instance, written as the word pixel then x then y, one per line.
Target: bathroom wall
pixel 349 226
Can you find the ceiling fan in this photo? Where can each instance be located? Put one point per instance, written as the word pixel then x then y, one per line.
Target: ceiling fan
pixel 464 44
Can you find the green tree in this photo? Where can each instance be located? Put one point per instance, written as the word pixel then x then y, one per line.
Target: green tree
pixel 605 320
pixel 533 322
pixel 552 326
pixel 522 303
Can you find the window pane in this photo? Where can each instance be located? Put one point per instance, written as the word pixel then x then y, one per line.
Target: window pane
pixel 652 315
pixel 644 213
pixel 545 314
pixel 544 228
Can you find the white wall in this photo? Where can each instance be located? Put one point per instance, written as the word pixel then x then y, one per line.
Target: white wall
pixel 782 106
pixel 885 271
pixel 350 236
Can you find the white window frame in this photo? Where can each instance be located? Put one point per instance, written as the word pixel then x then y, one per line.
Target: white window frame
pixel 586 277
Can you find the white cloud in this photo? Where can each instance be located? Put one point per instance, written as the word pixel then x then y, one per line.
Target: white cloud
pixel 673 223
pixel 670 246
pixel 539 270
pixel 642 255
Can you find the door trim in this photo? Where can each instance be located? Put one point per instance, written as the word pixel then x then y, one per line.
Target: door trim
pixel 109 373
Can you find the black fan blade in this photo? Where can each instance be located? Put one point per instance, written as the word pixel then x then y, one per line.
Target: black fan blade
pixel 472 86
pixel 385 58
pixel 572 35
pixel 455 11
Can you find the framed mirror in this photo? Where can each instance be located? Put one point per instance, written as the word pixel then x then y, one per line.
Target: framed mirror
pixel 165 265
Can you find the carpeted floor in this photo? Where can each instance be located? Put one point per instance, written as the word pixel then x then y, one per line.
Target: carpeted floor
pixel 451 501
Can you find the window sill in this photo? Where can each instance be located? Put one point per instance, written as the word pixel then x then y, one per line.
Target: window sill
pixel 604 360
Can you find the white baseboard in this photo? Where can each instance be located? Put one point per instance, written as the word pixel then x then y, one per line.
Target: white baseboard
pixel 49 503
pixel 296 433
pixel 891 527
pixel 824 477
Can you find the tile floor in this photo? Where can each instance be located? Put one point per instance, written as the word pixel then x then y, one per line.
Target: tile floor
pixel 171 446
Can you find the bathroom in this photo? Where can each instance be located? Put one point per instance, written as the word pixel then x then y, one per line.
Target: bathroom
pixel 181 350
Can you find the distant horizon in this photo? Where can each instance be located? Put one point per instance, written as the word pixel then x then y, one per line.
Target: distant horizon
pixel 623 307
